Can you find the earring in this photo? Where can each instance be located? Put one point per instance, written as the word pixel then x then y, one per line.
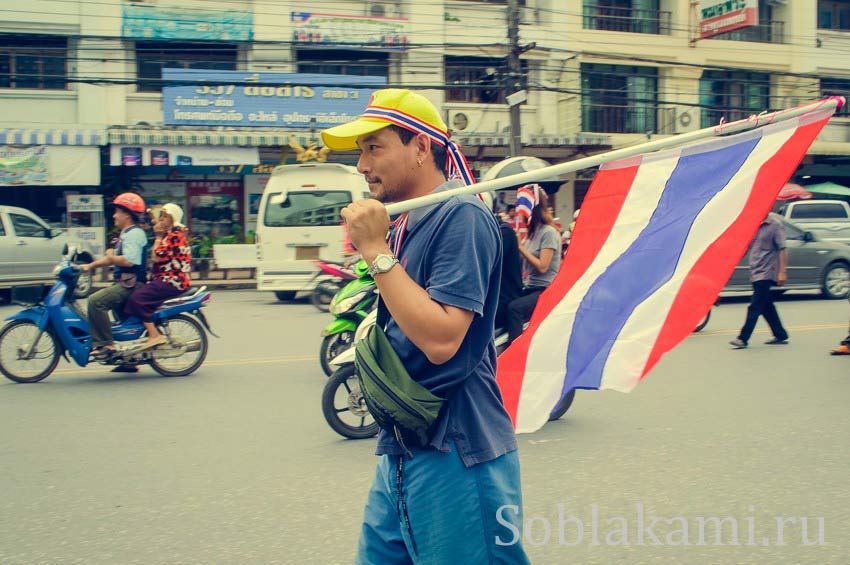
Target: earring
pixel 419 162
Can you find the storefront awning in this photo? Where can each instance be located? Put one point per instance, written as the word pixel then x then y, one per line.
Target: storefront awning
pixel 246 137
pixel 27 136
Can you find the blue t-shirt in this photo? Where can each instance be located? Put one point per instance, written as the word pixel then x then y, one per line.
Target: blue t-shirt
pixel 132 242
pixel 453 250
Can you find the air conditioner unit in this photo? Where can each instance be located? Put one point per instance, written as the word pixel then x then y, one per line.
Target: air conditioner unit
pixel 384 9
pixel 679 119
pixel 465 121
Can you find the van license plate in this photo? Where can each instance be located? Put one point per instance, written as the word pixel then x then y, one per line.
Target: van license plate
pixel 304 253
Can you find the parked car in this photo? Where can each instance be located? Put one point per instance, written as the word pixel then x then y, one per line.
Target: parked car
pixel 30 249
pixel 829 220
pixel 813 264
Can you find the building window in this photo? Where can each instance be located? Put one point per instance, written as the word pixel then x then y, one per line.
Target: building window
pixel 732 95
pixel 33 61
pixel 834 15
pixel 619 98
pixel 343 62
pixel 837 87
pixel 480 80
pixel 153 56
pixel 633 16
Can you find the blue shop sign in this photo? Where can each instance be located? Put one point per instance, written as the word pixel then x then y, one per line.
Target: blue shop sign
pixel 144 21
pixel 237 98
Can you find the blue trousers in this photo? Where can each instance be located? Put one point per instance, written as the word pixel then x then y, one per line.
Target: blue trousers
pixel 436 511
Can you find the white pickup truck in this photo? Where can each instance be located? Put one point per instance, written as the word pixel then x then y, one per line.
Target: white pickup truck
pixel 827 219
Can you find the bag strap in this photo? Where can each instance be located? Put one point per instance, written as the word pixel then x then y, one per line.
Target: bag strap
pixel 383 317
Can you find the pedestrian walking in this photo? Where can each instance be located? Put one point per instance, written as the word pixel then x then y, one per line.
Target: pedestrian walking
pixel 443 480
pixel 768 261
pixel 844 347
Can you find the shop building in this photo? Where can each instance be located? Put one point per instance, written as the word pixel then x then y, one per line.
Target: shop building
pixel 225 87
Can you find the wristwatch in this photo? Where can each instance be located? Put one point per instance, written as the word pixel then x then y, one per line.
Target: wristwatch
pixel 382 264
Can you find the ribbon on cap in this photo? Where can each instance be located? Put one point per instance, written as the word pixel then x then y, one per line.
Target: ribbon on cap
pixel 456 165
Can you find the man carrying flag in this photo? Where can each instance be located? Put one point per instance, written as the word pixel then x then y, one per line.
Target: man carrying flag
pixel 436 502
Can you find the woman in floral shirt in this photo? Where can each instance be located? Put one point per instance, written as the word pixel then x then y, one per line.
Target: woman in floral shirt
pixel 172 263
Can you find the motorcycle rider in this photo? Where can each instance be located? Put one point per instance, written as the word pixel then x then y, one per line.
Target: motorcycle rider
pixel 128 260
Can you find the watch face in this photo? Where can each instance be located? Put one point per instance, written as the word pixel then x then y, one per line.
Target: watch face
pixel 384 262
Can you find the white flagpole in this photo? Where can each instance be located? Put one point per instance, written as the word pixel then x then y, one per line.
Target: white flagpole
pixel 537 175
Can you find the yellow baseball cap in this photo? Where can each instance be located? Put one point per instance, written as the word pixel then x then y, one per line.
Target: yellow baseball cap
pixel 386 107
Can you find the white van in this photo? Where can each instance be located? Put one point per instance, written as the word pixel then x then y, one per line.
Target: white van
pixel 300 221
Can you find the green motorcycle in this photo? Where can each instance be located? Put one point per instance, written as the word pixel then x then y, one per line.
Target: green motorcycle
pixel 350 306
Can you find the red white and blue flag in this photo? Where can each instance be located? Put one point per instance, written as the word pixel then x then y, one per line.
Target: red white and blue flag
pixel 526 200
pixel 659 236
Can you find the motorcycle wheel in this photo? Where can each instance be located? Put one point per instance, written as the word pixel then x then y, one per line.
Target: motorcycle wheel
pixel 703 323
pixel 333 345
pixel 563 406
pixel 182 331
pixel 323 294
pixel 342 395
pixel 16 339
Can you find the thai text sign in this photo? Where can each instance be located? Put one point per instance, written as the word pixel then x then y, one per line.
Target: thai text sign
pixel 717 17
pixel 145 21
pixel 335 29
pixel 23 166
pixel 234 98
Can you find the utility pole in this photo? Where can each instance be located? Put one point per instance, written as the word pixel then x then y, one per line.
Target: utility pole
pixel 516 94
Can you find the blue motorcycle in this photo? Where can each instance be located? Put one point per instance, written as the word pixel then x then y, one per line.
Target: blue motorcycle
pixel 55 325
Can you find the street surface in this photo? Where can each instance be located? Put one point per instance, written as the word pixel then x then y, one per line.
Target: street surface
pixel 236 463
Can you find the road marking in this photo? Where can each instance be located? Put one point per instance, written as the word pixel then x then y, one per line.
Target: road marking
pixel 217 363
pixel 303 359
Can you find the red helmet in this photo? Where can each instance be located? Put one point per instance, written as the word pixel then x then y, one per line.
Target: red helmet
pixel 131 201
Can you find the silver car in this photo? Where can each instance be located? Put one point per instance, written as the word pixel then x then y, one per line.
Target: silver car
pixel 30 249
pixel 812 265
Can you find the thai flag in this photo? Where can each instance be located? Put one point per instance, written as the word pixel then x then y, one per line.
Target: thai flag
pixel 659 236
pixel 526 199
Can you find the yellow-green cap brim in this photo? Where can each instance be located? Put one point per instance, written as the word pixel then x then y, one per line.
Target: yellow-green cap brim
pixel 344 137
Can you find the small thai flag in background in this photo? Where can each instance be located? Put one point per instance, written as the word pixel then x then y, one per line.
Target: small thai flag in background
pixel 526 200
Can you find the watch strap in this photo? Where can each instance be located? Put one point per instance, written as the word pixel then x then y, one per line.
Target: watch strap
pixel 375 270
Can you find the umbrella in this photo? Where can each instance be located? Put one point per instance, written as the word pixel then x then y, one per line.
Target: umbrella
pixel 829 188
pixel 793 192
pixel 523 164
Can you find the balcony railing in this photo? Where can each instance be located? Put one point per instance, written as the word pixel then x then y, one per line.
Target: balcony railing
pixel 765 32
pixel 631 20
pixel 608 118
